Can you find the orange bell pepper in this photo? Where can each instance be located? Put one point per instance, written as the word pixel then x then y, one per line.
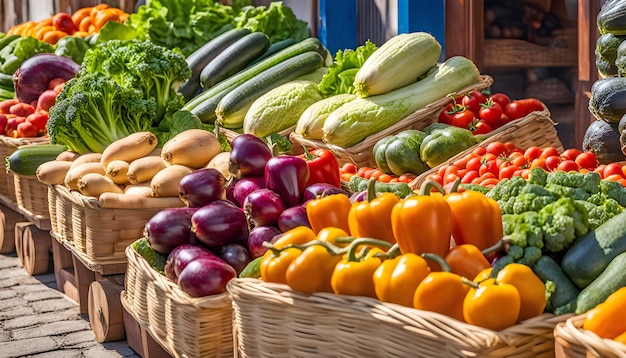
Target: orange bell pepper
pixel 276 260
pixel 396 279
pixel 608 319
pixel 466 260
pixel 329 211
pixel 372 218
pixel 311 271
pixel 491 304
pixel 532 290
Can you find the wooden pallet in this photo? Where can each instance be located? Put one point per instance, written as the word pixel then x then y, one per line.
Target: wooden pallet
pixel 140 340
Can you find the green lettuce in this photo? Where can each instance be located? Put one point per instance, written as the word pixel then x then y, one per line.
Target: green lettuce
pixel 278 22
pixel 340 76
pixel 175 123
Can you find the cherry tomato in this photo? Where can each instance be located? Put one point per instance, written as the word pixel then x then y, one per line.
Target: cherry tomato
pixel 612 169
pixel 532 153
pixel 520 161
pixel 570 154
pixel 348 168
pixel 624 170
pixel 549 152
pixel 587 160
pixel 538 163
pixel 469 176
pixel 511 148
pixel 552 162
pixel 614 177
pixel 567 165
pixel 501 99
pixel 62 21
pixel 507 172
pixel 522 107
pixel 473 100
pixel 491 112
pixel 479 151
pixel 489 167
pixel 473 164
pixel 450 169
pixel 38 119
pixel 480 127
pixel 463 119
pixel 446 115
pixel 496 148
pixel 385 178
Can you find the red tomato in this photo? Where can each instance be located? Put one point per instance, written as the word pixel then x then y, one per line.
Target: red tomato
pixel 612 169
pixel 496 148
pixel 491 112
pixel 38 119
pixel 446 115
pixel 62 21
pixel 511 147
pixel 614 177
pixel 522 107
pixel 489 167
pixel 532 153
pixel 473 164
pixel 26 129
pixel 463 119
pixel 348 168
pixel 624 170
pixel 587 160
pixel 549 152
pixel 479 151
pixel 507 172
pixel 469 176
pixel 538 163
pixel 501 99
pixel 473 100
pixel 567 165
pixel 480 127
pixel 519 161
pixel 570 154
pixel 552 162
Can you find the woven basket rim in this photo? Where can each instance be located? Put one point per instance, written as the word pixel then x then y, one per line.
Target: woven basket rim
pixel 571 332
pixel 464 333
pixel 484 81
pixel 17 142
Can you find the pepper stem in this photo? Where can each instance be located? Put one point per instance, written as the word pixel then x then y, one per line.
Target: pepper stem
pixel 502 244
pixel 364 241
pixel 307 154
pixel 445 266
pixel 371 189
pixel 430 184
pixel 332 249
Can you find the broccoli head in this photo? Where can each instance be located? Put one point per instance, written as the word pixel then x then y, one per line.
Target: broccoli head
pixel 154 70
pixel 563 220
pixel 614 190
pixel 600 214
pixel 588 182
pixel 531 202
pixel 537 176
pixel 568 191
pixel 507 188
pixel 523 229
pixel 531 255
pixel 93 111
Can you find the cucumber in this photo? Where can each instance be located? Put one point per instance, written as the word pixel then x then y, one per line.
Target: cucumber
pixel 565 292
pixel 6 81
pixel 7 40
pixel 233 107
pixel 234 58
pixel 252 269
pixel 6 93
pixel 610 280
pixel 207 113
pixel 591 253
pixel 25 159
pixel 275 47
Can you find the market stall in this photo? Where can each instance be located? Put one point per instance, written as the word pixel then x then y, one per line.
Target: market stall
pixel 212 181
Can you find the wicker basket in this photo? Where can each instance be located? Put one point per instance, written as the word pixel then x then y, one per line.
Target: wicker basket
pixel 361 154
pixel 536 129
pixel 99 235
pixel 273 321
pixel 185 326
pixel 571 341
pixel 31 196
pixel 7 146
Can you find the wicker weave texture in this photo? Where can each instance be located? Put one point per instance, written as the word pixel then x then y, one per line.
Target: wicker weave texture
pixel 571 341
pixel 273 321
pixel 7 146
pixel 536 129
pixel 31 196
pixel 362 154
pixel 185 326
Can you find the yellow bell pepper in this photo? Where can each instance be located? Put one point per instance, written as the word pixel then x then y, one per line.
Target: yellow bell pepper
pixel 329 211
pixel 372 218
pixel 353 275
pixel 491 304
pixel 275 261
pixel 396 279
pixel 608 319
pixel 532 290
pixel 311 271
pixel 332 234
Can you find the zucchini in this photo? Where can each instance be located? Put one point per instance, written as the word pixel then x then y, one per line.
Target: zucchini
pixel 565 291
pixel 206 111
pixel 234 58
pixel 590 254
pixel 205 54
pixel 608 99
pixel 5 93
pixel 6 81
pixel 612 17
pixel 6 40
pixel 232 109
pixel 610 280
pixel 351 123
pixel 275 47
pixel 397 63
pixel 25 159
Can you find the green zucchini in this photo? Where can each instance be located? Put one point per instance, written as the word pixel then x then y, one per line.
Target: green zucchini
pixel 234 58
pixel 6 81
pixel 612 17
pixel 275 47
pixel 205 54
pixel 7 40
pixel 5 93
pixel 207 101
pixel 565 291
pixel 232 109
pixel 590 254
pixel 610 280
pixel 25 159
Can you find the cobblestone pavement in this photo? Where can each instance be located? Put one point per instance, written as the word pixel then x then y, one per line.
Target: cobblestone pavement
pixel 36 320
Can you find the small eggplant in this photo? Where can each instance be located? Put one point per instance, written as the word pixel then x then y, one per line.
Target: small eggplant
pixel 219 223
pixel 287 175
pixel 293 217
pixel 321 189
pixel 358 196
pixel 248 156
pixel 263 207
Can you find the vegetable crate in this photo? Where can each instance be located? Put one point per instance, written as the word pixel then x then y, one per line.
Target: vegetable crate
pixel 272 320
pixel 99 235
pixel 571 341
pixel 362 154
pixel 7 146
pixel 535 129
pixel 32 200
pixel 183 325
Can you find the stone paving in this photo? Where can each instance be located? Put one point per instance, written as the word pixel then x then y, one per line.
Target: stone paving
pixel 38 321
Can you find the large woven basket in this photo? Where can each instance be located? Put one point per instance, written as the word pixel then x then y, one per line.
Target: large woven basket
pixel 273 321
pixel 362 154
pixel 535 129
pixel 99 235
pixel 571 341
pixel 185 326
pixel 7 146
pixel 31 196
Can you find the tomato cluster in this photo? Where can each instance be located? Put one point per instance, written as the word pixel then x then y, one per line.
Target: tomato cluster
pixel 488 165
pixel 349 169
pixel 482 113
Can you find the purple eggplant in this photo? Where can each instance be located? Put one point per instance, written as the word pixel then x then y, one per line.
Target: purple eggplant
pixel 202 187
pixel 287 175
pixel 34 74
pixel 219 223
pixel 358 196
pixel 293 217
pixel 316 190
pixel 248 156
pixel 205 277
pixel 258 236
pixel 245 186
pixel 182 255
pixel 263 207
pixel 235 255
pixel 170 228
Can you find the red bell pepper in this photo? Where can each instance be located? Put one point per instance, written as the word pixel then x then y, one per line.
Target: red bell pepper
pixel 323 167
